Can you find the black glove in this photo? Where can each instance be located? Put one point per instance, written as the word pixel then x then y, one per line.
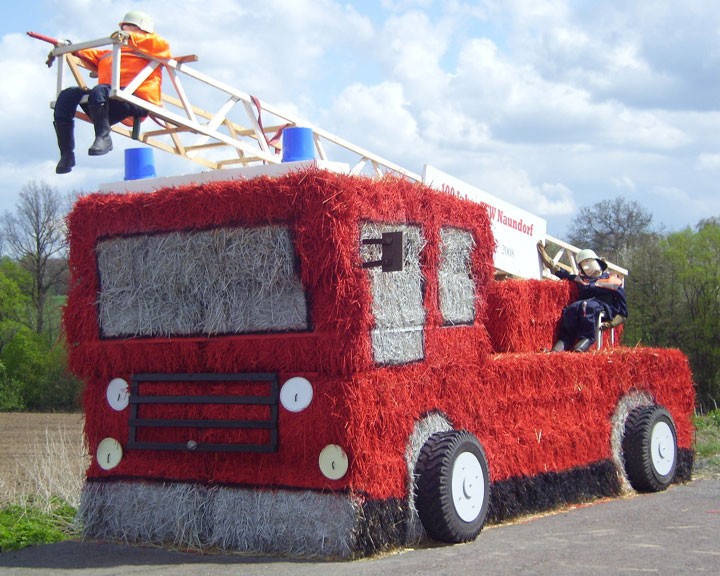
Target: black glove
pixel 51 55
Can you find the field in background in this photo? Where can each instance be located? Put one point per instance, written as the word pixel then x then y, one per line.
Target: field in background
pixel 41 456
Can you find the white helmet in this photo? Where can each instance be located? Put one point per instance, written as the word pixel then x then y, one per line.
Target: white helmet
pixel 588 254
pixel 140 19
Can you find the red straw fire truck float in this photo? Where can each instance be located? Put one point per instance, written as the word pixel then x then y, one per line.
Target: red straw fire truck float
pixel 291 358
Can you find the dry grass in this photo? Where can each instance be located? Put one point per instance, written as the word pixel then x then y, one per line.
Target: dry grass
pixel 42 458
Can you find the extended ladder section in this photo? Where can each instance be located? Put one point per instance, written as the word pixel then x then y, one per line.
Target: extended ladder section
pixel 237 131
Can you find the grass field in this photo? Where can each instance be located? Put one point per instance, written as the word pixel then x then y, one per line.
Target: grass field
pixel 43 459
pixel 707 446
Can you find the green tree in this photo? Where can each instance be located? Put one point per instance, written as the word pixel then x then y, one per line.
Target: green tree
pixel 33 363
pixel 24 359
pixel 11 399
pixel 40 371
pixel 653 295
pixel 15 305
pixel 35 236
pixel 695 256
pixel 12 306
pixel 674 300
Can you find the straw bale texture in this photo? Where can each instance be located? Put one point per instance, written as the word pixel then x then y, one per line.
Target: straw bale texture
pixel 305 524
pixel 457 285
pixel 226 280
pixel 524 315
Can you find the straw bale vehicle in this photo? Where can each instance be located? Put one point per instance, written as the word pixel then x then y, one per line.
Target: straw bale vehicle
pixel 316 363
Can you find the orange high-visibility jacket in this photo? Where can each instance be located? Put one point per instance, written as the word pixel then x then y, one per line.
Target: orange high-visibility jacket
pixel 131 64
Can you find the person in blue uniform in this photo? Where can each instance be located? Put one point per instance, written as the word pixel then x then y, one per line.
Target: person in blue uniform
pixel 600 292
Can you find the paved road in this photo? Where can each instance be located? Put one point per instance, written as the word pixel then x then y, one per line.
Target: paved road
pixel 672 533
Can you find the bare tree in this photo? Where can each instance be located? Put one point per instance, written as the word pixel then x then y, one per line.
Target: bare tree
pixel 612 228
pixel 35 235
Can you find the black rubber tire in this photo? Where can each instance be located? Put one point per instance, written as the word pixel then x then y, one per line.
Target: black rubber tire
pixel 650 448
pixel 435 505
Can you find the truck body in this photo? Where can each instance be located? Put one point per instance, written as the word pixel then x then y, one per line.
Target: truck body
pixel 312 364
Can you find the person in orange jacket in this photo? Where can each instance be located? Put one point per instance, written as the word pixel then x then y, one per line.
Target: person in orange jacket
pixel 137 30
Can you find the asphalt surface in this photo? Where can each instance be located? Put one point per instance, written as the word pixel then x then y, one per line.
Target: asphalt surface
pixel 675 532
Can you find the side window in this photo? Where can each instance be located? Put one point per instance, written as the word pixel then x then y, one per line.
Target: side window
pixel 398 336
pixel 457 287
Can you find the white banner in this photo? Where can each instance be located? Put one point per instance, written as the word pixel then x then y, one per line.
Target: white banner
pixel 516 231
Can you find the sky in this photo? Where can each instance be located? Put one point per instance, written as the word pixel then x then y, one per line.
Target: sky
pixel 551 105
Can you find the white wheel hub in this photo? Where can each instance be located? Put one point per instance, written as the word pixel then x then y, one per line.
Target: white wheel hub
pixel 662 447
pixel 468 486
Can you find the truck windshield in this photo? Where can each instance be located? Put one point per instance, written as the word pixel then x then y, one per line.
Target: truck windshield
pixel 220 281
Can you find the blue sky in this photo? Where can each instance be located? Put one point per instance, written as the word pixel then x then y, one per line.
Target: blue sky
pixel 550 104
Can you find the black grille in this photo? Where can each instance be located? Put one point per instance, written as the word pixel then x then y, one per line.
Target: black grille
pixel 204 412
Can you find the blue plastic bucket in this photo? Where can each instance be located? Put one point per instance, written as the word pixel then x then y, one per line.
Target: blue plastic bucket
pixel 298 144
pixel 139 163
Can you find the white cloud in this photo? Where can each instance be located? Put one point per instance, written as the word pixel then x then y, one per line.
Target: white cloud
pixel 708 162
pixel 413 44
pixel 449 126
pixel 399 5
pixel 624 183
pixel 376 118
pixel 520 105
pixel 671 193
pixel 501 176
pixel 29 85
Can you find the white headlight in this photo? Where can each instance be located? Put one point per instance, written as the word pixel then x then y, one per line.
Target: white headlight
pixel 296 394
pixel 118 394
pixel 109 453
pixel 333 462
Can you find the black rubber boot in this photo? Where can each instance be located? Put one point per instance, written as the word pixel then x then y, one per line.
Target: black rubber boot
pixel 103 143
pixel 65 132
